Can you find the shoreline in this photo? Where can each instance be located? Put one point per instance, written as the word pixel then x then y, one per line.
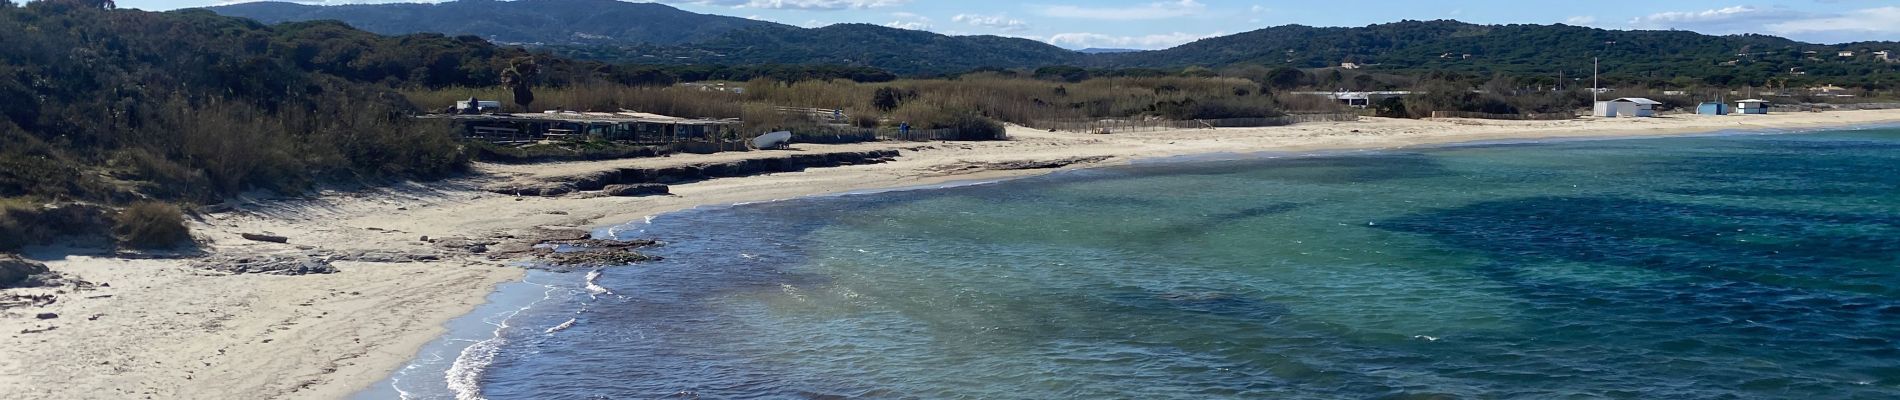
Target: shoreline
pixel 166 330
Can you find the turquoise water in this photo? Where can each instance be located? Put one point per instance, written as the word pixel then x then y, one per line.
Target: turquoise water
pixel 1740 266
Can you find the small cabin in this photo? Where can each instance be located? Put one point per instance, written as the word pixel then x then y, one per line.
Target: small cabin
pixel 1712 108
pixel 1627 107
pixel 475 106
pixel 1751 106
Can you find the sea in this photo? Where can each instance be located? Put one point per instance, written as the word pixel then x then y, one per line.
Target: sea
pixel 1740 265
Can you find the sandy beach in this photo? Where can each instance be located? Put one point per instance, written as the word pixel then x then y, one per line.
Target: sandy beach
pixel 159 328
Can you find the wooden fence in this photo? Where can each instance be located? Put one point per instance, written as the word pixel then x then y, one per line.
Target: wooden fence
pixel 1807 107
pixel 1128 125
pixel 1514 117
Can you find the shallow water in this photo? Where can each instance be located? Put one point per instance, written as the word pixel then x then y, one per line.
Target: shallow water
pixel 1742 266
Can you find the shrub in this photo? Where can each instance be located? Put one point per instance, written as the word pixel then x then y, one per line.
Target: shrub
pixel 151 225
pixel 970 126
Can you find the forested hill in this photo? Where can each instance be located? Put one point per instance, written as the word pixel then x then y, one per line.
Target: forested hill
pixel 519 21
pixel 1553 51
pixel 106 105
pixel 644 33
pixel 902 51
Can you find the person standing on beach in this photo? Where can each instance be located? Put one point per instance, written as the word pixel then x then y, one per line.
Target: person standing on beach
pixel 903 128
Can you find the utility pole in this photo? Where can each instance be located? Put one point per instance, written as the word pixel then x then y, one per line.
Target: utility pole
pixel 1596 88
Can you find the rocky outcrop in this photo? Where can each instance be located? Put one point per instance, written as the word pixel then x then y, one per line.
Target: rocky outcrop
pixel 600 180
pixel 968 167
pixel 637 189
pixel 19 272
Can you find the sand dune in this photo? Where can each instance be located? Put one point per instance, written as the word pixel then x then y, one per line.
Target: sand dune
pixel 166 330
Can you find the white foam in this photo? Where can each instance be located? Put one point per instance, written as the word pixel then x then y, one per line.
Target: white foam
pixel 593 286
pixel 562 327
pixel 465 374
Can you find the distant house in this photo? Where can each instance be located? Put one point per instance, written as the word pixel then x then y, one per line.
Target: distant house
pixel 1752 106
pixel 1845 53
pixel 1675 92
pixel 1348 66
pixel 1884 55
pixel 1827 90
pixel 1627 107
pixel 1712 108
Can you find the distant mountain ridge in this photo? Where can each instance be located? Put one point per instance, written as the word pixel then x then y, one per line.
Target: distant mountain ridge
pixel 520 21
pixel 647 33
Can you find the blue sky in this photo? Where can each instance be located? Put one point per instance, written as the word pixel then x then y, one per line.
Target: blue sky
pixel 1151 24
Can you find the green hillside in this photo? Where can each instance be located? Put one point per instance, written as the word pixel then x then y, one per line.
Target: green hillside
pixel 519 21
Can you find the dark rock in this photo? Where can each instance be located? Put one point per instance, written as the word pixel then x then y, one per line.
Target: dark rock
pixel 46 315
pixel 277 264
pixel 555 235
pixel 18 272
pixel 637 189
pixel 601 180
pixel 265 238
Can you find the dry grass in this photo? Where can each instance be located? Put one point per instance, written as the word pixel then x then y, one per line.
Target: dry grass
pixel 151 225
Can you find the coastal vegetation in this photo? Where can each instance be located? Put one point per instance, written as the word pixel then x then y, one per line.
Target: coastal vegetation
pixel 963 102
pixel 151 224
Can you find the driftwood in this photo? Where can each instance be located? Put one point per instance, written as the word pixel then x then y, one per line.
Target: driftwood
pixel 265 238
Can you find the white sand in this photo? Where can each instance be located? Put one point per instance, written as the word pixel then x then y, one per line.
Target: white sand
pixel 164 330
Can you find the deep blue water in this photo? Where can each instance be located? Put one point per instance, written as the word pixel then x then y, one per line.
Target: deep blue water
pixel 1739 266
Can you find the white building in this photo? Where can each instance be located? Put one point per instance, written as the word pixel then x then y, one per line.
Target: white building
pixel 1751 106
pixel 1627 107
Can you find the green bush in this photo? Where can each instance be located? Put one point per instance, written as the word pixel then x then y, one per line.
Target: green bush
pixel 151 225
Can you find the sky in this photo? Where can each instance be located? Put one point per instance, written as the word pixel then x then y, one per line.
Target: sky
pixel 1155 24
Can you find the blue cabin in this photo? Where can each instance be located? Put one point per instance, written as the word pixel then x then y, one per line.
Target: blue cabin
pixel 1712 108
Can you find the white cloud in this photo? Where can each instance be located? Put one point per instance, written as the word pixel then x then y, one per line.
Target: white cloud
pixel 1580 20
pixel 1157 41
pixel 998 22
pixel 910 21
pixel 1726 20
pixel 1880 23
pixel 1882 20
pixel 1259 9
pixel 911 25
pixel 820 5
pixel 1157 10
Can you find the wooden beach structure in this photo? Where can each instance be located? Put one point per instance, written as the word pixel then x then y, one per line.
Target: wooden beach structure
pixel 623 126
pixel 1751 106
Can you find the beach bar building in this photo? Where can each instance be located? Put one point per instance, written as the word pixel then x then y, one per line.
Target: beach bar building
pixel 1627 107
pixel 1712 108
pixel 1751 106
pixel 623 126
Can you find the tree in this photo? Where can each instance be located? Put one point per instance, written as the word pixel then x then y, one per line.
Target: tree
pixel 1285 78
pixel 519 77
pixel 888 98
